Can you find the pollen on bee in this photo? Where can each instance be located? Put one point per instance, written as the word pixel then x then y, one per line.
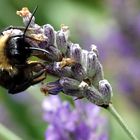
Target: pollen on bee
pixel 4 61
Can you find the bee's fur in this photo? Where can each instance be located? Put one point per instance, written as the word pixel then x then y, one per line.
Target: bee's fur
pixel 4 61
pixel 17 73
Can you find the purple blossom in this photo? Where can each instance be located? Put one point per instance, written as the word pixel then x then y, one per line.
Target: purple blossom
pixel 63 58
pixel 121 45
pixel 79 123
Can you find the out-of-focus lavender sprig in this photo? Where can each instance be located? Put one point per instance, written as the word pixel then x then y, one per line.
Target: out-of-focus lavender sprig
pixel 79 71
pixel 125 39
pixel 79 123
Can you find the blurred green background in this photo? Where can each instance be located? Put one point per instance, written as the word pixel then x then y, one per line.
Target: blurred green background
pixel 114 26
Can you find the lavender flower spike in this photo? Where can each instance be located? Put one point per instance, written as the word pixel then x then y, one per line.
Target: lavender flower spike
pixel 83 122
pixel 71 64
pixel 88 81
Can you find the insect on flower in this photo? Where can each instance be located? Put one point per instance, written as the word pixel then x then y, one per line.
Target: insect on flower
pixel 79 71
pixel 17 73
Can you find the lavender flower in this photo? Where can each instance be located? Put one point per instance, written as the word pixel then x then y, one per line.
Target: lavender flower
pixel 79 123
pixel 79 71
pixel 87 82
pixel 124 39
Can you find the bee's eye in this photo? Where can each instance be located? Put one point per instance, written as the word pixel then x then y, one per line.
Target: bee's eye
pixel 14 52
pixel 1 33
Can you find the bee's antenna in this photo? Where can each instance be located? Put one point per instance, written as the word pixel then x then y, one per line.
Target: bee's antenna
pixel 33 13
pixel 39 49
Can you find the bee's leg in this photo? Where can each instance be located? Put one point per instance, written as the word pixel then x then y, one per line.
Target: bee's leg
pixel 37 78
pixel 18 88
pixel 36 66
pixel 33 63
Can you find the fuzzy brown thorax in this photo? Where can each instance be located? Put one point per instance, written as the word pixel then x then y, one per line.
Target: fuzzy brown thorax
pixel 4 61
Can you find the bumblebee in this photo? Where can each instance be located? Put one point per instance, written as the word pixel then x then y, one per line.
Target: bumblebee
pixel 17 73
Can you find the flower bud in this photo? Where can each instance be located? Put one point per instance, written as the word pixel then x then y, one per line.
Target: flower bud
pixel 78 72
pixel 94 96
pixel 65 30
pixel 91 64
pixel 94 49
pixel 98 76
pixel 61 41
pixel 26 15
pixel 50 33
pixel 55 54
pixel 83 61
pixel 74 52
pixel 69 83
pixel 51 88
pixel 106 90
pixel 71 87
pixel 56 70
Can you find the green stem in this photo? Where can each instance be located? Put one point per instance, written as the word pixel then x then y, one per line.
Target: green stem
pixel 119 119
pixel 6 134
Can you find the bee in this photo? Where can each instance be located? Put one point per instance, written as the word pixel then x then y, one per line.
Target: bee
pixel 17 73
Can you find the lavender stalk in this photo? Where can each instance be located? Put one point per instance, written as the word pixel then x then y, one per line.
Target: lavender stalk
pixel 119 119
pixel 7 134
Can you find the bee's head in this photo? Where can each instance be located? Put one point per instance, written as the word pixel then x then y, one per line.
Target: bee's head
pixel 18 49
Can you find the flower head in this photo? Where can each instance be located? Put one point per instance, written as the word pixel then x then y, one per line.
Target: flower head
pixel 79 123
pixel 79 71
